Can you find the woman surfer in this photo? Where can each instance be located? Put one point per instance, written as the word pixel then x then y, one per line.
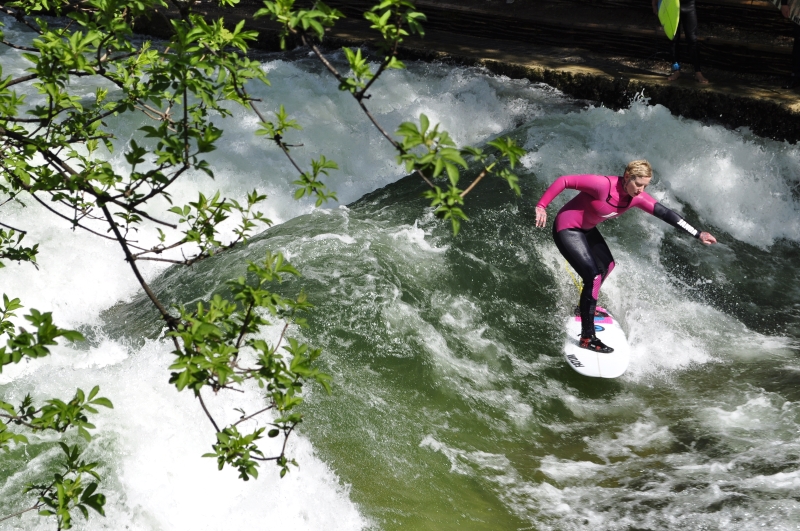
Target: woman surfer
pixel 577 238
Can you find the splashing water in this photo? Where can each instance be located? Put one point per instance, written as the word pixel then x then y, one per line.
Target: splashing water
pixel 452 407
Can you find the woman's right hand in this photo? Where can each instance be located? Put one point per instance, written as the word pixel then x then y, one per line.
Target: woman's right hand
pixel 541 217
pixel 707 238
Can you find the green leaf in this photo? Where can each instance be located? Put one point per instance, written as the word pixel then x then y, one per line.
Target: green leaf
pixel 424 123
pixel 105 402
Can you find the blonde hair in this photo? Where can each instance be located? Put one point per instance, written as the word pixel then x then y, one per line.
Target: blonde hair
pixel 639 169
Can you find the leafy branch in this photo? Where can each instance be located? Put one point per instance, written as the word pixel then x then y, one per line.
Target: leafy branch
pixel 67 491
pixel 54 149
pixel 425 151
pixel 11 247
pixel 183 89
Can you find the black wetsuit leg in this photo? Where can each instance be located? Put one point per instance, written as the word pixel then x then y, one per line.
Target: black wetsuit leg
pixel 688 22
pixel 589 255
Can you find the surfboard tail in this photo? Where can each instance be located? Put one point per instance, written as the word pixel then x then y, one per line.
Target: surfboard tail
pixel 669 14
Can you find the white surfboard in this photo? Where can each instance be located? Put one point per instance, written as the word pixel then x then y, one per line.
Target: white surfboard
pixel 595 364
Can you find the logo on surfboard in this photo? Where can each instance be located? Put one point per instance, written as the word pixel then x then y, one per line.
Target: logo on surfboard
pixel 573 359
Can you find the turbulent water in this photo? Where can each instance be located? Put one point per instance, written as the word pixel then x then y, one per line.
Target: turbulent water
pixel 452 407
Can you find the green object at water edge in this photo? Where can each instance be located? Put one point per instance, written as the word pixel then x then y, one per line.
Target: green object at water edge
pixel 669 14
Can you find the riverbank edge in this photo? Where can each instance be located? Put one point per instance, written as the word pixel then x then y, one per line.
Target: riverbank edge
pixel 765 110
pixel 764 117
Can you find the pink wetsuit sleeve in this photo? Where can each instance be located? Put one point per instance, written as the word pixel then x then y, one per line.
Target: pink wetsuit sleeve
pixel 585 183
pixel 644 201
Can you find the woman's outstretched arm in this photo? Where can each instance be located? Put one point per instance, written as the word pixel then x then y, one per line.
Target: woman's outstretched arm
pixel 674 219
pixel 594 185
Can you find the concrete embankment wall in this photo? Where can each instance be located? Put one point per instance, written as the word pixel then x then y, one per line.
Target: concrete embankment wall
pixel 580 64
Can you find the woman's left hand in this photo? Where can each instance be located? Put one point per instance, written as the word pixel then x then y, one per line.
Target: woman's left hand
pixel 707 238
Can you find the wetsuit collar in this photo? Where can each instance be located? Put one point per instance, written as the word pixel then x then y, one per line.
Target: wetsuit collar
pixel 621 192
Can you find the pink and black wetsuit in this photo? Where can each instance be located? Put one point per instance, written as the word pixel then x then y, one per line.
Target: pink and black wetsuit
pixel 576 235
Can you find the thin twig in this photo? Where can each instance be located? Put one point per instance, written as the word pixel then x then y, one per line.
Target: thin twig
pixel 253 415
pixel 59 214
pixel 360 98
pixel 158 189
pixel 16 420
pixel 474 184
pixel 362 93
pixel 22 79
pixel 286 435
pixel 244 330
pixel 159 250
pixel 170 320
pixel 203 404
pixel 283 333
pixel 20 47
pixel 332 69
pixel 10 516
pixel 19 16
pixel 286 438
pixel 121 204
pixel 74 224
pixel 164 260
pixel 14 229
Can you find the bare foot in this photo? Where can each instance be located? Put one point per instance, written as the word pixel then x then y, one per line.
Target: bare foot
pixel 700 79
pixel 673 76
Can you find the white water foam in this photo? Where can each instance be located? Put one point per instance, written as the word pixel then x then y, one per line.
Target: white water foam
pixel 150 444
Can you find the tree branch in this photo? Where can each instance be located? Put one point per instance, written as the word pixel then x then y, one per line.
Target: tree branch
pixel 360 97
pixel 56 212
pixel 200 397
pixel 10 516
pixel 20 47
pixel 170 320
pixel 159 189
pixel 165 260
pixel 474 184
pixel 12 228
pixel 243 331
pixel 19 16
pixel 243 419
pixel 17 420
